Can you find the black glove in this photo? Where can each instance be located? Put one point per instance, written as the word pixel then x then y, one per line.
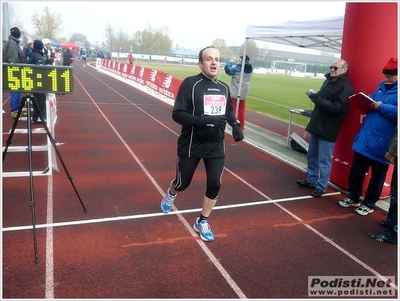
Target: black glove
pixel 237 133
pixel 314 97
pixel 214 121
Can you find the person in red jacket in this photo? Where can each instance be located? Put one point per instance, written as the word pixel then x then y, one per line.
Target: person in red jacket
pixel 131 59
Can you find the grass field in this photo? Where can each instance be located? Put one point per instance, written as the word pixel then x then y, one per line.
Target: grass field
pixel 270 94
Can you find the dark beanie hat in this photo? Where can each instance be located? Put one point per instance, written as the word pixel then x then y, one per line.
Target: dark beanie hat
pixel 391 66
pixel 15 32
pixel 247 58
pixel 38 44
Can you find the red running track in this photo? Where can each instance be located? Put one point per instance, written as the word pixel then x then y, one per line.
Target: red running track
pixel 120 148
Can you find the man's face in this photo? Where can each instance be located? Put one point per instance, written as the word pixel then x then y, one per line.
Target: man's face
pixel 211 63
pixel 390 79
pixel 337 68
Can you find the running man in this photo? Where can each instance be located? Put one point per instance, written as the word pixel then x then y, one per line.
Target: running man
pixel 203 106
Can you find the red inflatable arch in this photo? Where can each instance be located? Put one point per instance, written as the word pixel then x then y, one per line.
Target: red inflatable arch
pixel 370 38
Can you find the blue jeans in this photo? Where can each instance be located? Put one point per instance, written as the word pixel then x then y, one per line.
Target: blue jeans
pixel 359 168
pixel 15 100
pixel 319 161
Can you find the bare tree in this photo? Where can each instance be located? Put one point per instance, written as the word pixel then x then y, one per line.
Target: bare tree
pixel 47 24
pixel 110 37
pixel 122 42
pixel 251 50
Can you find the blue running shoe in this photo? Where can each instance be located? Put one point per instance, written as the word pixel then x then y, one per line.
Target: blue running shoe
pixel 204 229
pixel 167 202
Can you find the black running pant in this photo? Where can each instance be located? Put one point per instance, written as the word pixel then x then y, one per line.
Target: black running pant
pixel 186 167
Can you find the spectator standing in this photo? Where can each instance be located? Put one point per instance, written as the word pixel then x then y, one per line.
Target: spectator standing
pixel 13 54
pixel 372 142
pixel 73 52
pixel 325 122
pixel 67 58
pixel 27 50
pixel 234 70
pixel 131 59
pixel 83 56
pixel 49 52
pixel 390 232
pixel 202 135
pixel 38 57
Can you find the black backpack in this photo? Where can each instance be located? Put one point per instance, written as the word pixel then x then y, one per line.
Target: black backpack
pixel 297 147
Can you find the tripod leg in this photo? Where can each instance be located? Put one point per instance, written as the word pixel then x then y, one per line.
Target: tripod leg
pixel 9 140
pixel 32 203
pixel 53 142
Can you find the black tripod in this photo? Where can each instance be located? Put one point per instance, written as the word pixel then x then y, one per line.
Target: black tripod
pixel 27 100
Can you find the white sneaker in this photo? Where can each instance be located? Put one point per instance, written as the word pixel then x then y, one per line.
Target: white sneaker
pixel 348 202
pixel 363 210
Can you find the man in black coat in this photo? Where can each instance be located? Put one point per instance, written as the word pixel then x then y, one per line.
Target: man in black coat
pixel 326 119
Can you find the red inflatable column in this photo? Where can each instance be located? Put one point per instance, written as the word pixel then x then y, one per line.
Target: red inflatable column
pixel 369 40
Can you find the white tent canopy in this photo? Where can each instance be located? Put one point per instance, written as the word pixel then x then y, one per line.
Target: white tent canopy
pixel 324 35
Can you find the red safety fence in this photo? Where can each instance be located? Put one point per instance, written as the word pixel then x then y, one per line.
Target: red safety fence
pixel 161 82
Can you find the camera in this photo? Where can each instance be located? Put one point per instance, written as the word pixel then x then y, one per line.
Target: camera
pixel 309 92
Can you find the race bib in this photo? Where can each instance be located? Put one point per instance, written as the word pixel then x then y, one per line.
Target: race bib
pixel 214 104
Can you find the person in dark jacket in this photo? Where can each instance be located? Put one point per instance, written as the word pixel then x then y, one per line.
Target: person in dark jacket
pixel 13 54
pixel 67 58
pixel 28 49
pixel 38 57
pixel 372 142
pixel 203 106
pixel 326 119
pixel 390 231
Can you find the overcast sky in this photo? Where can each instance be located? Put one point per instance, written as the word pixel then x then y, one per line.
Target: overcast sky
pixel 191 24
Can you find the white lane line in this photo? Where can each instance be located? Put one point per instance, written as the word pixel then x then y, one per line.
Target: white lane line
pixel 331 242
pixel 158 214
pixel 49 242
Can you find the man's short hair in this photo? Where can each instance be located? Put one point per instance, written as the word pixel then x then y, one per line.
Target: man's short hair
pixel 201 52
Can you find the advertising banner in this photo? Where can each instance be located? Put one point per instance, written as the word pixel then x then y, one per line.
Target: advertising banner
pixel 161 82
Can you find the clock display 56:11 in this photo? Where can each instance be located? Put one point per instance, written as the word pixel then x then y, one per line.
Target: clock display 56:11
pixel 37 78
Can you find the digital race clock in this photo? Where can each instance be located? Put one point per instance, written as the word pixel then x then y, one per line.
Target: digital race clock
pixel 37 78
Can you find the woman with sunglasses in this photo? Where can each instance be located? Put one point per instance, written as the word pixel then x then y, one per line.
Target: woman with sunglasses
pixel 326 119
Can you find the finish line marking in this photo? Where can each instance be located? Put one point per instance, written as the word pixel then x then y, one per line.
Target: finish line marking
pixel 148 215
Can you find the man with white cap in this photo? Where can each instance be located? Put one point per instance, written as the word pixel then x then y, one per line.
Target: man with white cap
pixel 49 51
